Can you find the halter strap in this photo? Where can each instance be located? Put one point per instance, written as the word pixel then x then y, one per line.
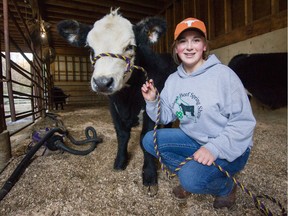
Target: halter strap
pixel 126 59
pixel 129 68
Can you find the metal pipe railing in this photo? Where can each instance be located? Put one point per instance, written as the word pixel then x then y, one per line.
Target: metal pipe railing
pixel 37 78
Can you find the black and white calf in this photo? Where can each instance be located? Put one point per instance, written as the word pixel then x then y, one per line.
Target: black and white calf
pixel 112 76
pixel 264 75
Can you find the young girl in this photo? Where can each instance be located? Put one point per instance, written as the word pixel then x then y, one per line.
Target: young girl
pixel 216 120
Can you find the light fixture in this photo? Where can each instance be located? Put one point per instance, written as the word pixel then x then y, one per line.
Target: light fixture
pixel 42 29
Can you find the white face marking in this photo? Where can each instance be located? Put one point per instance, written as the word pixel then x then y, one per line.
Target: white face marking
pixel 154 36
pixel 72 38
pixel 111 34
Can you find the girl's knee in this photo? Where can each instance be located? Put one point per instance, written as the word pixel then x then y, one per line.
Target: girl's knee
pixel 191 181
pixel 148 141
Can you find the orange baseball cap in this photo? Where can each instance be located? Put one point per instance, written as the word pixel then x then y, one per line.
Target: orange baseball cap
pixel 190 23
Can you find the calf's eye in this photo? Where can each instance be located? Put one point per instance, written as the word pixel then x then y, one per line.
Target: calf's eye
pixel 130 47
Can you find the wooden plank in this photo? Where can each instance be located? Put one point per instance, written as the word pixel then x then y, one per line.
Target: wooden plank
pixel 148 3
pixel 73 68
pixel 203 11
pixel 170 29
pixel 178 16
pixel 248 12
pixel 228 15
pixel 196 7
pixel 282 5
pixel 103 6
pixel 261 8
pixel 71 50
pixel 187 8
pixel 210 25
pixel 237 13
pixel 80 93
pixel 259 27
pixel 66 66
pixel 87 15
pixel 219 18
pixel 274 6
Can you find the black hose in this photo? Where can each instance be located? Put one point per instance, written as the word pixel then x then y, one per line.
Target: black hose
pixel 54 142
pixel 25 162
pixel 89 138
pixel 93 139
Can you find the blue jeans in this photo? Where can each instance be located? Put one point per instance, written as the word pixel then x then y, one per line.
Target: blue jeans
pixel 175 146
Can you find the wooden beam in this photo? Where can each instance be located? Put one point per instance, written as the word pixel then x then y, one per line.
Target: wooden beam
pixel 210 25
pixel 248 12
pixel 147 3
pixel 228 15
pixel 2 111
pixel 197 8
pixel 274 6
pixel 102 7
pixel 88 15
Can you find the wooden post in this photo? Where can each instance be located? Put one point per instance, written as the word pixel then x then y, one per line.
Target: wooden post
pixel 5 146
pixel 2 111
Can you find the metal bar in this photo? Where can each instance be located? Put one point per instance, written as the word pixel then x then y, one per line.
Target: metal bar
pixel 20 50
pixel 25 39
pixel 41 90
pixel 21 84
pixel 32 94
pixel 21 94
pixel 7 54
pixel 26 28
pixel 21 115
pixel 19 69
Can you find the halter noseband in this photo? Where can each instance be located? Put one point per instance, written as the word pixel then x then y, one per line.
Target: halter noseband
pixel 129 68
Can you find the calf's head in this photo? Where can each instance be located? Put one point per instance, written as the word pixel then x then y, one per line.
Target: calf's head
pixel 113 34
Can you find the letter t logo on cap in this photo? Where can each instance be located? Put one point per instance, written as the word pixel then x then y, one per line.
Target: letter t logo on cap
pixel 189 22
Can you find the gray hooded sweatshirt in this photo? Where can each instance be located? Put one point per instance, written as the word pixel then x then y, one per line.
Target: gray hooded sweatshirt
pixel 212 106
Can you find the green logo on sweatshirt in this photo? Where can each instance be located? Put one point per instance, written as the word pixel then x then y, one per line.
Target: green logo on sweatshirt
pixel 188 106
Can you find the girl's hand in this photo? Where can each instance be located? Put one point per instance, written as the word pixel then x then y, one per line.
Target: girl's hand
pixel 204 156
pixel 149 91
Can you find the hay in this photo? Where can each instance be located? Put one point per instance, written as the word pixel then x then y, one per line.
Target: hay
pixel 65 184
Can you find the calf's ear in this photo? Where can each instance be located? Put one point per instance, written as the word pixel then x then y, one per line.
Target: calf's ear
pixel 73 32
pixel 149 30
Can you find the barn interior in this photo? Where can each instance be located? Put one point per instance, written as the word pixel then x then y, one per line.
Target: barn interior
pixel 35 60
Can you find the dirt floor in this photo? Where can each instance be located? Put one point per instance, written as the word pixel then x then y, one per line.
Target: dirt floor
pixel 65 184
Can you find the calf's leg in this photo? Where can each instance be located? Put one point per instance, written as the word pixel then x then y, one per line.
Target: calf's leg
pixel 149 171
pixel 121 160
pixel 123 135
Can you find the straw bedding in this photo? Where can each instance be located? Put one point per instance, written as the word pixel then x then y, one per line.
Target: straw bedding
pixel 64 184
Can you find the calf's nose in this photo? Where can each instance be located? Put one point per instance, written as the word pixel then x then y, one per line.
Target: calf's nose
pixel 103 84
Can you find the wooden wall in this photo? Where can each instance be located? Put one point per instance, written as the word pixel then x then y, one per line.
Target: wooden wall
pixel 72 74
pixel 227 21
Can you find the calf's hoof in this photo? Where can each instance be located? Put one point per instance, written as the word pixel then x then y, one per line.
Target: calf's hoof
pixel 150 190
pixel 120 163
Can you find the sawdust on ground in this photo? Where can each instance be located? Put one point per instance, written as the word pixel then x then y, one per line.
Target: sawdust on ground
pixel 65 184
